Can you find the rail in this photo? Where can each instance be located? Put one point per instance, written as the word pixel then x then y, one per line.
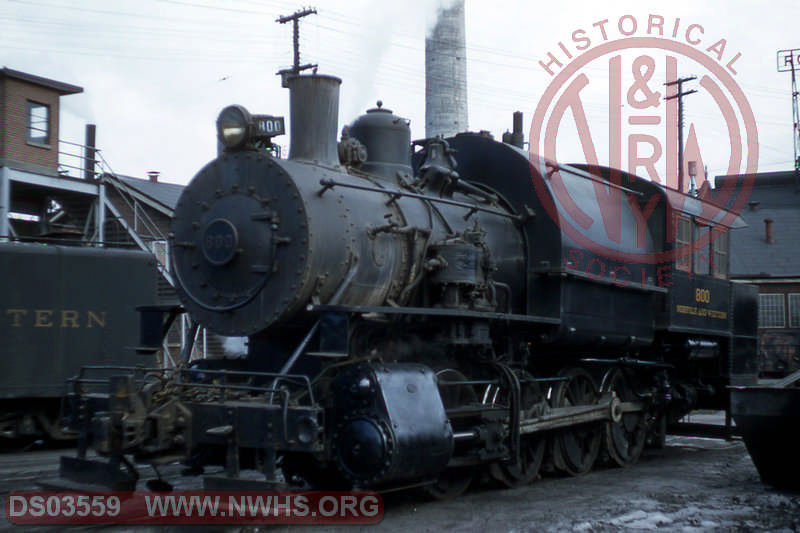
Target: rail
pixel 143 230
pixel 228 384
pixel 79 162
pixel 394 194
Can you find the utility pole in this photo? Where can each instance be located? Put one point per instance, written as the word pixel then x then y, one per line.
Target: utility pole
pixel 297 68
pixel 679 95
pixel 795 130
pixel 789 60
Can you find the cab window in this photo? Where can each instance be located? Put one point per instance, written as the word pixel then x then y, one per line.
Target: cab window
pixel 702 259
pixel 683 239
pixel 719 247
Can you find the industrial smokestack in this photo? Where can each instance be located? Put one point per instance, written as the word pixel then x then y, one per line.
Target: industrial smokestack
pixel 90 152
pixel 769 233
pixel 446 74
pixel 314 112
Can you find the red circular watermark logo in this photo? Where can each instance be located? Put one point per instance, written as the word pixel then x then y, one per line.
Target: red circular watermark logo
pixel 616 92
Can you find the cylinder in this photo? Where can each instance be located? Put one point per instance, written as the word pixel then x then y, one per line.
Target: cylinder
pixel 314 112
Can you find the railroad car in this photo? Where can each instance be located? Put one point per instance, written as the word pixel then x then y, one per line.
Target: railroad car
pixel 63 307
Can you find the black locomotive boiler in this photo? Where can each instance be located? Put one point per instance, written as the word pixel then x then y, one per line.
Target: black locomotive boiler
pixel 417 314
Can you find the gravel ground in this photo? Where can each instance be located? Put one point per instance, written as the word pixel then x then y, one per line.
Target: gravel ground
pixel 693 485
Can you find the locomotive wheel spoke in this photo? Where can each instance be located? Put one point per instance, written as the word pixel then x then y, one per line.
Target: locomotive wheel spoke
pixel 576 449
pixel 527 470
pixel 624 440
pixel 532 448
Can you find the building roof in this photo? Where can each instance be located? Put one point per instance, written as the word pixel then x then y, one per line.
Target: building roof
pixel 165 194
pixel 58 86
pixel 774 196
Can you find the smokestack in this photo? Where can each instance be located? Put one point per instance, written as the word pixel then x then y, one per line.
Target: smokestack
pixel 770 236
pixel 153 175
pixel 446 74
pixel 90 152
pixel 314 112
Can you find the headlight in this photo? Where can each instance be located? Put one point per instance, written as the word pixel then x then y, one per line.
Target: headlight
pixel 233 125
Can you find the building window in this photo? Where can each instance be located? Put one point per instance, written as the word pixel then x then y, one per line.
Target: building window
pixel 794 310
pixel 683 240
pixel 719 246
pixel 770 311
pixel 38 123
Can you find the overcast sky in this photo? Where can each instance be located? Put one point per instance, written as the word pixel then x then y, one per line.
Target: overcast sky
pixel 156 73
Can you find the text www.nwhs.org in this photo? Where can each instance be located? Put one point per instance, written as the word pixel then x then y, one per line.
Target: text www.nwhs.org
pixel 263 506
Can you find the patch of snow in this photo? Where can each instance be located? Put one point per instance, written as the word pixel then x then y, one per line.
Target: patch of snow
pixel 641 519
pixel 635 515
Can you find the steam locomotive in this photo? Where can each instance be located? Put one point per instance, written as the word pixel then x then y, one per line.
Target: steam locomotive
pixel 418 314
